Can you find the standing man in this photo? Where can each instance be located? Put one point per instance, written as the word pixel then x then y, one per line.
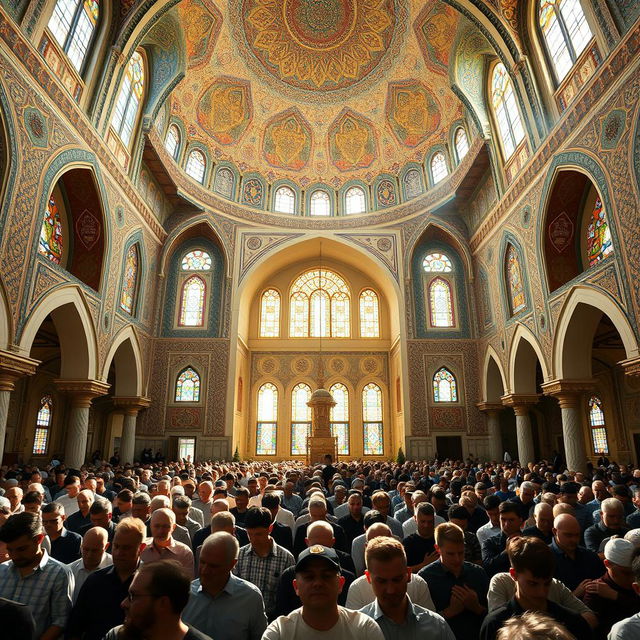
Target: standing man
pixel 353 522
pixel 162 546
pixel 76 521
pixel 612 523
pixel 328 470
pixel 290 500
pixel 70 500
pixel 491 528
pixel 543 515
pixel 420 546
pixel 494 551
pixel 94 557
pixel 65 545
pixel 629 628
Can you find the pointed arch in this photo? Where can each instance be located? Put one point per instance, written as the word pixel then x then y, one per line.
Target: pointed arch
pixel 187 385
pixel 494 381
pixel 125 351
pixel 5 319
pixel 524 351
pixel 445 386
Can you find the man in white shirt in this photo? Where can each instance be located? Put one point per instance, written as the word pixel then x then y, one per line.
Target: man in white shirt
pixel 318 583
pixel 629 628
pixel 94 557
pixel 491 528
pixel 70 501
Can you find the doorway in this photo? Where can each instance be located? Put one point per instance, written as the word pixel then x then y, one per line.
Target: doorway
pixel 449 447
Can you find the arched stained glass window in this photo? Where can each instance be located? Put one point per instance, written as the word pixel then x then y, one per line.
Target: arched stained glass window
pixel 285 200
pixel 369 314
pixel 51 241
pixel 355 200
pixel 130 279
pixel 223 183
pixel 196 165
pixel 339 417
pixel 267 424
pixel 599 245
pixel 440 303
pixel 319 306
pixel 439 169
pixel 445 388
pixel 188 386
pixel 461 142
pixel 412 183
pixel 197 260
pixel 320 203
pixel 300 419
pixel 73 24
pixel 192 305
pixel 598 426
pixel 129 99
pixel 515 284
pixel 172 141
pixel 437 263
pixel 566 32
pixel 270 314
pixel 372 420
pixel 506 110
pixel 43 422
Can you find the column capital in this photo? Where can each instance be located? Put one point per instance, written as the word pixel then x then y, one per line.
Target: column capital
pixel 131 404
pixel 631 366
pixel 490 407
pixel 82 392
pixel 520 402
pixel 13 367
pixel 568 393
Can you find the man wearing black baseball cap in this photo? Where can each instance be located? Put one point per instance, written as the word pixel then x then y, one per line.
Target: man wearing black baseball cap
pixel 318 583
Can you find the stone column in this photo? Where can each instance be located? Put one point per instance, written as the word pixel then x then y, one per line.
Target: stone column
pixel 131 406
pixel 81 393
pixel 12 367
pixel 492 411
pixel 521 404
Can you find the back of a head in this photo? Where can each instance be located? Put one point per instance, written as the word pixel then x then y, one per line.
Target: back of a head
pixel 271 500
pixel 376 530
pixel 222 521
pixel 227 541
pixel 531 554
pixel 20 524
pixel 533 625
pixel 168 578
pixel 384 549
pixel 257 517
pixel 371 517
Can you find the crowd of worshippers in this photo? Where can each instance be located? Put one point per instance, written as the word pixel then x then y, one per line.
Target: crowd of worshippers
pixel 437 550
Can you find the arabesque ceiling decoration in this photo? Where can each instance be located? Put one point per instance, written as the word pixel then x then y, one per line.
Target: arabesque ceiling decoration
pixel 317 90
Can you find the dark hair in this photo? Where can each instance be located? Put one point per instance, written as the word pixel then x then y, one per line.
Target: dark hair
pixel 126 495
pixel 426 509
pixel 531 554
pixel 371 517
pixel 70 479
pixel 457 512
pixel 181 502
pixel 510 507
pixel 242 491
pixel 31 497
pixel 142 498
pixel 491 502
pixel 168 578
pixel 20 524
pixel 270 500
pixel 52 507
pixel 100 506
pixel 257 518
pixel 635 565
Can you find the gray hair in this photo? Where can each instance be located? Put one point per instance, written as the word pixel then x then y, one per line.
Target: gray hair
pixel 231 546
pixel 611 504
pixel 222 520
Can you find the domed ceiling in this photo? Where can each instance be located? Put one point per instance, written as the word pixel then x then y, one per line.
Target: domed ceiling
pixel 317 90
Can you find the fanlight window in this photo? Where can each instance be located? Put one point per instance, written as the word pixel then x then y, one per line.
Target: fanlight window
pixel 566 32
pixel 300 419
pixel 445 388
pixel 320 204
pixel 320 302
pixel 440 303
pixel 437 263
pixel 172 141
pixel 506 110
pixel 188 386
pixel 51 240
pixel 267 424
pixel 339 417
pixel 73 24
pixel 129 99
pixel 369 314
pixel 130 279
pixel 270 314
pixel 197 260
pixel 598 426
pixel 439 169
pixel 43 423
pixel 285 200
pixel 355 201
pixel 192 302
pixel 372 420
pixel 515 285
pixel 196 165
pixel 461 142
pixel 599 245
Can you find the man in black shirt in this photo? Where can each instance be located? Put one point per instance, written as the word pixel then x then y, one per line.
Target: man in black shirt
pixel 494 549
pixel 420 546
pixel 353 522
pixel 281 533
pixel 65 545
pixel 240 510
pixel 543 514
pixel 328 470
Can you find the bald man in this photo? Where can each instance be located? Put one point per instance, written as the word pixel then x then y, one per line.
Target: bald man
pixel 94 556
pixel 15 495
pixel 576 566
pixel 162 546
pixel 543 516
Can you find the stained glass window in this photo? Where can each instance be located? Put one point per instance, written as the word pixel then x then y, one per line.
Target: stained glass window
pixel 439 169
pixel 188 386
pixel 412 183
pixel 130 279
pixel 440 303
pixel 461 142
pixel 445 388
pixel 355 200
pixel 437 263
pixel 599 245
pixel 192 306
pixel 285 200
pixel 515 285
pixel 197 260
pixel 130 98
pixel 196 165
pixel 73 24
pixel 172 141
pixel 320 204
pixel 300 419
pixel 339 417
pixel 566 32
pixel 223 183
pixel 51 241
pixel 369 317
pixel 267 426
pixel 270 314
pixel 598 427
pixel 43 422
pixel 506 110
pixel 320 305
pixel 372 419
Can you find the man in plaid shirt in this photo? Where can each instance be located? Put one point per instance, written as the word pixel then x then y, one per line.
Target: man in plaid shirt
pixel 33 578
pixel 262 561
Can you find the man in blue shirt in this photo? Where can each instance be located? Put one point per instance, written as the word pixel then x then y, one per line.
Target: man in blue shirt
pixel 65 545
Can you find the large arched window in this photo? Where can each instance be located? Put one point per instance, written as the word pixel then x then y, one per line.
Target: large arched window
pixel 462 143
pixel 369 314
pixel 300 419
pixel 319 306
pixel 267 423
pixel 73 24
pixel 355 200
pixel 440 303
pixel 566 33
pixel 506 111
pixel 445 388
pixel 599 245
pixel 188 386
pixel 439 169
pixel 270 314
pixel 339 417
pixel 51 241
pixel 129 99
pixel 515 284
pixel 192 302
pixel 43 424
pixel 196 165
pixel 172 141
pixel 285 200
pixel 130 279
pixel 598 426
pixel 320 203
pixel 372 420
